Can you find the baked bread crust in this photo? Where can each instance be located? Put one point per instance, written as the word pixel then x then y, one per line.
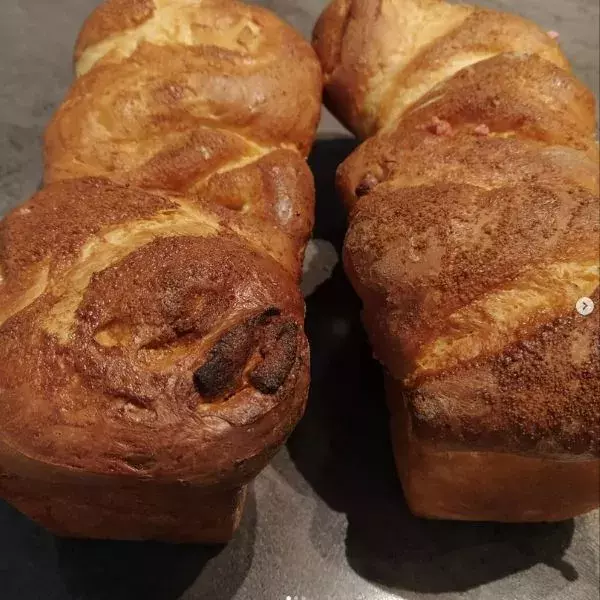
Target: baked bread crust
pixel 371 75
pixel 152 353
pixel 473 232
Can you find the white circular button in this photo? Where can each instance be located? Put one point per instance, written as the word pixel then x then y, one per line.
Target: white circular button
pixel 585 306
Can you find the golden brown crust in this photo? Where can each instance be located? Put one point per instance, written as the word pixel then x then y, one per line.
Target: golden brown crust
pixel 170 512
pixel 470 299
pixel 344 89
pixel 131 354
pixel 151 324
pixel 175 101
pixel 153 109
pixel 462 286
pixel 160 94
pixel 489 486
pixel 111 18
pixel 473 233
pixel 538 396
pixel 512 119
pixel 372 75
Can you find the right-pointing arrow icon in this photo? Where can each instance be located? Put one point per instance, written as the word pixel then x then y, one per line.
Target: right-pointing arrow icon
pixel 585 306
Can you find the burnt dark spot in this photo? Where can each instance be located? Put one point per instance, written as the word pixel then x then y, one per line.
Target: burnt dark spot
pixel 266 334
pixel 223 369
pixel 279 358
pixel 368 182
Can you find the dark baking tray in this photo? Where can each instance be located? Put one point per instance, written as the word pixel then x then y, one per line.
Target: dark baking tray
pixel 326 520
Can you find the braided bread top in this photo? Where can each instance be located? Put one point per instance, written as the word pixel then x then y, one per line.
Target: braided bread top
pixel 150 316
pixel 474 220
pixel 381 56
pixel 208 98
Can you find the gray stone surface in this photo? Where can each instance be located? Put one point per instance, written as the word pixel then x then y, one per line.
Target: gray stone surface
pixel 326 520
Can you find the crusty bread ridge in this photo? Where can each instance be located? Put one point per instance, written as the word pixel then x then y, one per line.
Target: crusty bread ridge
pixel 152 353
pixel 473 232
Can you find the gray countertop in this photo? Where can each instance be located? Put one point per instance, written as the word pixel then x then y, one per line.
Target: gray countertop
pixel 326 520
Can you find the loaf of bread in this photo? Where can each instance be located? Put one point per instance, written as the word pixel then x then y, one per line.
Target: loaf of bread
pixel 473 232
pixel 152 353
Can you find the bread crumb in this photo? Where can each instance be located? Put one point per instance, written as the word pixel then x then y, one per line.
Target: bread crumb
pixel 439 127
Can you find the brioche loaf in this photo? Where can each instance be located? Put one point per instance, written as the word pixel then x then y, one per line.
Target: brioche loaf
pixel 152 353
pixel 473 207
